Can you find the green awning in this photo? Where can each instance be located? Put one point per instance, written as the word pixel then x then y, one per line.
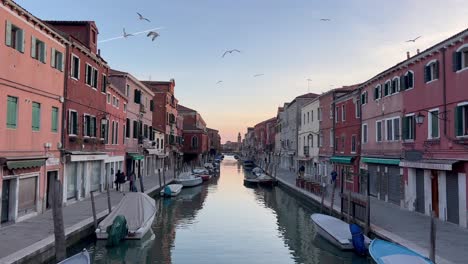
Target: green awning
pixel 381 161
pixel 342 159
pixel 137 156
pixel 24 164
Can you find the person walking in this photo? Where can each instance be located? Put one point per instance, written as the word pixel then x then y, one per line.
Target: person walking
pixel 131 179
pixel 117 180
pixel 301 171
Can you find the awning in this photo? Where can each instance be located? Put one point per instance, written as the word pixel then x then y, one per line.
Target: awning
pixel 381 161
pixel 152 151
pixel 136 156
pixel 430 164
pixel 342 159
pixel 25 163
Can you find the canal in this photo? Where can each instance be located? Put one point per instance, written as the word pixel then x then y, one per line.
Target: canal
pixel 225 222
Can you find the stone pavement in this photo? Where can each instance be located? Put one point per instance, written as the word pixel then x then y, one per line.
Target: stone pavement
pixel 34 234
pixel 410 229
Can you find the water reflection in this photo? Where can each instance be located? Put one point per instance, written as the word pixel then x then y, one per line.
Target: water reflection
pixel 224 222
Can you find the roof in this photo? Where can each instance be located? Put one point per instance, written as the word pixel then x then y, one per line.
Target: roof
pixel 211 129
pixel 307 95
pixel 114 72
pixel 72 22
pixel 182 108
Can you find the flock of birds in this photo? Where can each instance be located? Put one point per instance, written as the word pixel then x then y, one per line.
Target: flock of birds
pixel 154 34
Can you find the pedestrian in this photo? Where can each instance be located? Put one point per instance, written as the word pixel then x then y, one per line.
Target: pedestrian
pixel 131 179
pixel 333 176
pixel 117 180
pixel 301 171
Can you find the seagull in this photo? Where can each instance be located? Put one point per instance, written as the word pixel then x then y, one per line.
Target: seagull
pixel 219 82
pixel 230 52
pixel 125 35
pixel 325 19
pixel 257 75
pixel 154 34
pixel 413 40
pixel 141 17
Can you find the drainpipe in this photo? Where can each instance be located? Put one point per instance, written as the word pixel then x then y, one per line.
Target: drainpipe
pixel 444 90
pixel 64 111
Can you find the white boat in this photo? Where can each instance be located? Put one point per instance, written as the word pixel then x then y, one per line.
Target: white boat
pixel 188 179
pixel 335 231
pixel 171 190
pixel 80 258
pixel 138 209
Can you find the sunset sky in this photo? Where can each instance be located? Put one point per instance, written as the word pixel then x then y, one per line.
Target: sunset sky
pixel 282 39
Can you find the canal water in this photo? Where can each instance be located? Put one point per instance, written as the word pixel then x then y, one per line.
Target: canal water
pixel 225 222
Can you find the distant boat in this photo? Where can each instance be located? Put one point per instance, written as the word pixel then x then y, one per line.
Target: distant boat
pixel 203 173
pixel 257 171
pixel 80 258
pixel 249 164
pixel 335 231
pixel 188 179
pixel 265 180
pixel 251 181
pixel 171 190
pixel 384 252
pixel 139 211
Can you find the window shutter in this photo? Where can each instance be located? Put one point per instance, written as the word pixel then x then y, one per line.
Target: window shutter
pixel 151 105
pixel 135 96
pixel 427 73
pixel 410 79
pixel 54 119
pixel 405 127
pixel 436 70
pixel 403 84
pixel 35 116
pixel 8 33
pixel 62 62
pixel 43 53
pixel 20 40
pixel 458 121
pixel 11 112
pixel 33 47
pixel 52 58
pixel 456 61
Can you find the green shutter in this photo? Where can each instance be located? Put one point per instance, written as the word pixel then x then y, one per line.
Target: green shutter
pixel 8 33
pixel 458 121
pixel 52 58
pixel 20 40
pixel 62 61
pixel 434 124
pixel 405 128
pixel 12 109
pixel 436 70
pixel 54 119
pixel 36 116
pixel 33 47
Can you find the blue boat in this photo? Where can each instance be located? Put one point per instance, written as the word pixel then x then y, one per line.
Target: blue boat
pixel 384 252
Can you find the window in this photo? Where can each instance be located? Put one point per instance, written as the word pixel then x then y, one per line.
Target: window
pixel 57 59
pixel 460 58
pixel 38 49
pixel 117 103
pixel 346 171
pixel 113 133
pixel 116 133
pixel 95 78
pixel 358 108
pixel 75 67
pixel 319 114
pixel 93 34
pixel 124 133
pixel 127 132
pixel 377 92
pixel 409 127
pixel 72 123
pixel 89 75
pixel 104 130
pixel 389 134
pixel 303 119
pixel 194 142
pixel 387 88
pixel 151 133
pixel 135 129
pixel 461 120
pixel 114 101
pixel 337 109
pixel 364 98
pixel 407 81
pixel 431 71
pixel 89 127
pixel 331 139
pixel 353 144
pixel 342 143
pixel 396 128
pixel 433 129
pixel 151 105
pixel 137 96
pixel 393 129
pixel 104 83
pixel 343 113
pixel 378 134
pixel 14 37
pixel 127 90
pixel 320 139
pixel 145 131
pixel 395 85
pixel 12 112
pixel 364 133
pixel 36 116
pixel 54 120
pixel 109 96
pixel 312 115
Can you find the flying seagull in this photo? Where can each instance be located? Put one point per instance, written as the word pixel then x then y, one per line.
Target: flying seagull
pixel 219 82
pixel 230 52
pixel 325 19
pixel 257 75
pixel 141 17
pixel 154 35
pixel 413 40
pixel 125 35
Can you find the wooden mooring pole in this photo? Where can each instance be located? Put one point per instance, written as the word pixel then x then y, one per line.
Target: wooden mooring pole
pixel 109 205
pixel 59 230
pixel 93 207
pixel 432 239
pixel 349 206
pixel 332 197
pixel 324 190
pixel 159 177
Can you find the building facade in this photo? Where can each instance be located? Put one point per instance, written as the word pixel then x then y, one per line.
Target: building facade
pixel 214 140
pixel 309 139
pixel 31 92
pixel 195 136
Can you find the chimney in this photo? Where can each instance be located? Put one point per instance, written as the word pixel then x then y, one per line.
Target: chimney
pixel 99 52
pixel 417 51
pixel 407 55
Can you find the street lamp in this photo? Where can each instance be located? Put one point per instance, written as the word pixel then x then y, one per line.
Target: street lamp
pixel 419 118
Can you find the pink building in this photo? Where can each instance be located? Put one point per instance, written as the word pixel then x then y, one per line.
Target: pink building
pixel 31 96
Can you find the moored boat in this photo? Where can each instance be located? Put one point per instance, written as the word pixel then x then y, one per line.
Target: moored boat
pixel 335 231
pixel 265 180
pixel 139 211
pixel 171 190
pixel 202 173
pixel 248 164
pixel 80 258
pixel 188 179
pixel 384 252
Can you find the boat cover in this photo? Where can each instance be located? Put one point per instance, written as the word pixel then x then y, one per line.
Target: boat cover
pixel 137 208
pixel 384 252
pixel 200 171
pixel 186 175
pixel 334 226
pixel 80 258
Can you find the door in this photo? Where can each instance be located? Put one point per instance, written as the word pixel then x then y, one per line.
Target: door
pixel 5 201
pixel 452 197
pixel 51 176
pixel 373 181
pixel 383 182
pixel 420 190
pixel 435 192
pixel 394 184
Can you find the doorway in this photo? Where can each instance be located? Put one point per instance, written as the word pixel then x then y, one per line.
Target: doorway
pixel 435 192
pixel 5 201
pixel 51 177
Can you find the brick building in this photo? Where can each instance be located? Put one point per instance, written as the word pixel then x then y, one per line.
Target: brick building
pixel 195 135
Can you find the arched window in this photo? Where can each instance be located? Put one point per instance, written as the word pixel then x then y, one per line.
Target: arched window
pixel 387 88
pixel 407 81
pixel 194 142
pixel 157 143
pixel 377 92
pixel 460 58
pixel 395 85
pixel 431 71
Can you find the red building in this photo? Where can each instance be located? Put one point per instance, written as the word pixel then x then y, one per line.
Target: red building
pixel 347 131
pixel 264 138
pixel 31 96
pixel 85 109
pixel 195 135
pixel 214 141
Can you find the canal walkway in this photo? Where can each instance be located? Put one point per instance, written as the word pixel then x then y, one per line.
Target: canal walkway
pixel 410 229
pixel 27 240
